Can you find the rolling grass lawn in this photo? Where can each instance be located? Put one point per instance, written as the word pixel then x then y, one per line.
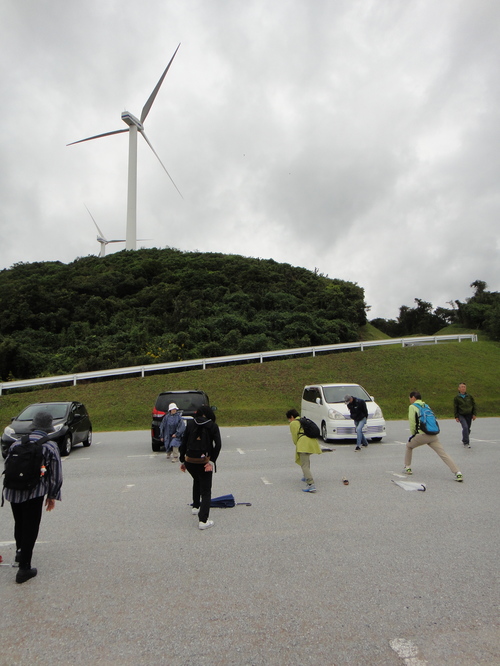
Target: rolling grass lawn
pixel 260 393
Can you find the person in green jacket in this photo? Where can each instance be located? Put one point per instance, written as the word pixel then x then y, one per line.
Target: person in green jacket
pixel 304 447
pixel 418 438
pixel 464 407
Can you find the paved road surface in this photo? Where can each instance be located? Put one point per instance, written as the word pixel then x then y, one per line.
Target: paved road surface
pixel 360 574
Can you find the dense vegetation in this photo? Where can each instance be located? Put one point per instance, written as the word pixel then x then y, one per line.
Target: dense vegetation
pixel 151 306
pixel 480 311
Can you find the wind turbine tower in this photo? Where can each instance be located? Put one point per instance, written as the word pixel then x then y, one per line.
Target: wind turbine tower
pixel 135 126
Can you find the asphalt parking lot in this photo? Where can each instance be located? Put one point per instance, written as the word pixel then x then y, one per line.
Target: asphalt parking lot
pixel 361 574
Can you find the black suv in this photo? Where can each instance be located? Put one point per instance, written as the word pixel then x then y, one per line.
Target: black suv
pixel 187 402
pixel 70 420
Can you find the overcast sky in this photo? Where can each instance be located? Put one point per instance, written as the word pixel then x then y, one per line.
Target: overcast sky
pixel 357 137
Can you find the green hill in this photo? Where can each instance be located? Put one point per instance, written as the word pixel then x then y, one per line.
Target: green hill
pixel 153 306
pixel 260 393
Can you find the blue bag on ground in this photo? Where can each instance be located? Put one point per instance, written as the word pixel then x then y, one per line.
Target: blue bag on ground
pixel 427 422
pixel 225 501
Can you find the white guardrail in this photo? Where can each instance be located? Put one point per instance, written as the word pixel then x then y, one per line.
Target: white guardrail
pixel 222 360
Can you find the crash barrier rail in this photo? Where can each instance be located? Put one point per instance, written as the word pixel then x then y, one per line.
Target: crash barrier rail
pixel 235 358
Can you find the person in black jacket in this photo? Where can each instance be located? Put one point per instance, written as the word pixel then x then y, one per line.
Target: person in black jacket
pixel 359 414
pixel 200 448
pixel 27 504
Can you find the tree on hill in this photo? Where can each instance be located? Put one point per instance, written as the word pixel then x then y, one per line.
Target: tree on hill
pixel 419 320
pixel 482 310
pixel 148 306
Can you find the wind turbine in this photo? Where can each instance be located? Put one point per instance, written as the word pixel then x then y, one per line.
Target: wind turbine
pixel 134 125
pixel 102 238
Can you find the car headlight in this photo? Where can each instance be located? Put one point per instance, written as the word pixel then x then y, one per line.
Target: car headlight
pixel 10 432
pixel 377 414
pixel 58 426
pixel 336 416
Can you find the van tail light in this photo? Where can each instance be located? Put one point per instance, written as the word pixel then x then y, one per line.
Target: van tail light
pixel 156 412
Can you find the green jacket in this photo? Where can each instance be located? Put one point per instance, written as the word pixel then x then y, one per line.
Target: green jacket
pixel 413 415
pixel 302 443
pixel 464 405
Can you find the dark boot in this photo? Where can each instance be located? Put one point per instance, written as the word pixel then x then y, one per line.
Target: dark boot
pixel 25 574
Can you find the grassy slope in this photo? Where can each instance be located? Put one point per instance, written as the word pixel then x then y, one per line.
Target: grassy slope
pixel 256 394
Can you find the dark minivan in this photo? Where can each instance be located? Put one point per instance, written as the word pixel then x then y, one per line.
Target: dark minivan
pixel 187 402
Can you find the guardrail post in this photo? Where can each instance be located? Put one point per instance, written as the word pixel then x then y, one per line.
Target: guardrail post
pixel 361 347
pixel 74 380
pixel 260 356
pixel 204 365
pixel 314 352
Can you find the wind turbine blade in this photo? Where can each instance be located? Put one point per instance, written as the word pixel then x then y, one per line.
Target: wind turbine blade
pixel 152 97
pixel 98 136
pixel 100 232
pixel 159 160
pixel 120 240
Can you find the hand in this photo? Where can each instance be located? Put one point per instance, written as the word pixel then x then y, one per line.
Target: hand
pixel 183 467
pixel 473 417
pixel 457 420
pixel 208 467
pixel 50 504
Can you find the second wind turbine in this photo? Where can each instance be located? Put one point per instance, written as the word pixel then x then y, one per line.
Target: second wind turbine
pixel 134 126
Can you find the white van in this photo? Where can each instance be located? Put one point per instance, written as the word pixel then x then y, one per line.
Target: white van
pixel 324 404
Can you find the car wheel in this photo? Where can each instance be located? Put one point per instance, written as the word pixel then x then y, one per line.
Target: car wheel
pixel 88 440
pixel 324 434
pixel 376 439
pixel 66 444
pixel 155 445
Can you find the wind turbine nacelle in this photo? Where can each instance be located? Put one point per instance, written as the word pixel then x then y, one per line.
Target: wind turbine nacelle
pixel 130 119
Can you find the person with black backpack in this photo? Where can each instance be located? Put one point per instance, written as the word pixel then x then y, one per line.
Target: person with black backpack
pixel 424 429
pixel 33 470
pixel 305 445
pixel 198 452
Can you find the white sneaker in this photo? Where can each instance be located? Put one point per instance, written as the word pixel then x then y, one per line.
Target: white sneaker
pixel 194 511
pixel 205 526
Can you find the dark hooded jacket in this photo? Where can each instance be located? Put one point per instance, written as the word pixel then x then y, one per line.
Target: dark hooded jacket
pixel 214 439
pixel 358 409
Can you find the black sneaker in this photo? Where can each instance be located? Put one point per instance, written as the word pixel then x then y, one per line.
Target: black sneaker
pixel 358 448
pixel 25 574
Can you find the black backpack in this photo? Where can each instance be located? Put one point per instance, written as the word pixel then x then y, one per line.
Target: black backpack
pixel 198 444
pixel 309 428
pixel 23 466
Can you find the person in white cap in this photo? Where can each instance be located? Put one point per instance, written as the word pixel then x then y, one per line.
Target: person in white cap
pixel 171 430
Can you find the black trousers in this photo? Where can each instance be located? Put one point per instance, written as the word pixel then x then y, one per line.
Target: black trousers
pixel 202 489
pixel 27 517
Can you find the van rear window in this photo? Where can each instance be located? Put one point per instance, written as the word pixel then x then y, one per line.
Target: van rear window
pixel 187 402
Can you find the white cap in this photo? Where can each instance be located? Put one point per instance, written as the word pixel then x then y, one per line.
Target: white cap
pixel 172 406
